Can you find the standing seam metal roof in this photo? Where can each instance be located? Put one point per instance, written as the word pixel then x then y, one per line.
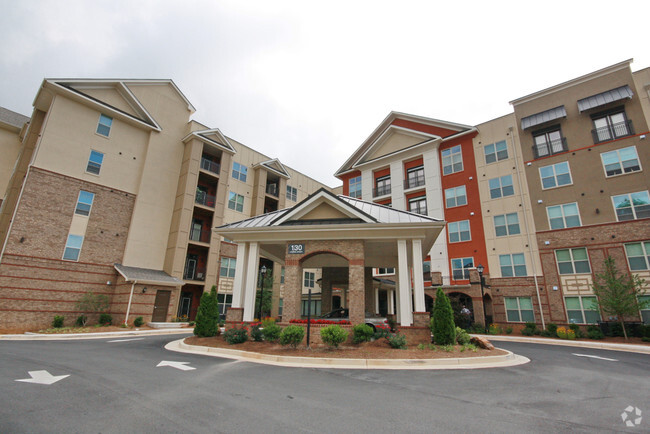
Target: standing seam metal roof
pixel 605 98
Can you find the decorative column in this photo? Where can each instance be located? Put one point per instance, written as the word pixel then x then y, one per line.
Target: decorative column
pixel 235 312
pixel 356 291
pixel 251 281
pixel 418 277
pixel 391 304
pixel 292 289
pixel 405 311
pixel 326 290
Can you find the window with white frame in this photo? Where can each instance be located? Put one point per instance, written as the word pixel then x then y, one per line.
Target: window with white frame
pixel 645 310
pixel 73 247
pixel 512 265
pixel 563 216
pixel 225 301
pixel 418 205
pixel 315 308
pixel 496 152
pixel 228 266
pixel 382 186
pixel 236 201
pixel 638 255
pixel 414 177
pixel 506 224
pixel 582 309
pixel 292 193
pixel 573 261
pixel 84 203
pixel 95 162
pixel 620 161
pixel 456 196
pixel 239 171
pixel 555 175
pixel 104 125
pixel 355 187
pixel 459 231
pixel 501 187
pixel 632 206
pixel 452 160
pixel 384 271
pixel 519 309
pixel 280 306
pixel 310 279
pixel 610 125
pixel 460 268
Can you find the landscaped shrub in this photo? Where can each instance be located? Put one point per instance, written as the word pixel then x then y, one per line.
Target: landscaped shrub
pixel 138 321
pixel 526 332
pixel 272 332
pixel 397 341
pixel 392 323
pixel 256 333
pixel 207 316
pixel 494 329
pixel 81 321
pixel 91 302
pixel 594 332
pixel 333 335
pixel 382 331
pixel 532 327
pixel 477 328
pixel 57 322
pixel 267 321
pixel 508 330
pixel 236 335
pixel 561 332
pixel 570 334
pixel 615 330
pixel 292 335
pixel 362 333
pixel 461 336
pixel 105 319
pixel 547 334
pixel 576 330
pixel 444 329
pixel 552 328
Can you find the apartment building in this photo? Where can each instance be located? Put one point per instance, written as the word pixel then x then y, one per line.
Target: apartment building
pixel 114 190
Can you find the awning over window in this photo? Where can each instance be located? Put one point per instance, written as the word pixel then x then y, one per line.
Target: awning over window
pixel 542 117
pixel 601 99
pixel 146 275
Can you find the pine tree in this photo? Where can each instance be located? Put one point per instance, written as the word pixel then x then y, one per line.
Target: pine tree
pixel 444 329
pixel 207 317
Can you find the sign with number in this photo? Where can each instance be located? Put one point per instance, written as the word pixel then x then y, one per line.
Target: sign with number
pixel 296 249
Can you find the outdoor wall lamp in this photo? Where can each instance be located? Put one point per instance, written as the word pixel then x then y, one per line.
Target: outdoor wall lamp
pixel 144 289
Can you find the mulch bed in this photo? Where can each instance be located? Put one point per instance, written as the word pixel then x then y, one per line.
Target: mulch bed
pixel 607 340
pixel 69 330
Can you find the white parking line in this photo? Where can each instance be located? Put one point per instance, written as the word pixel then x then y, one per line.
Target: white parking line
pixel 126 340
pixel 595 357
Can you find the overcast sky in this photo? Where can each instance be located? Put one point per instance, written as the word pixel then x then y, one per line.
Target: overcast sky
pixel 307 82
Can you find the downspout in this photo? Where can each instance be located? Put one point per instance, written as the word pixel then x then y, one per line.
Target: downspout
pixel 530 244
pixel 128 307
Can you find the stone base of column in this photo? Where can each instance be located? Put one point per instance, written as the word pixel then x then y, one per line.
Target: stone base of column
pixel 421 319
pixel 234 316
pixel 416 335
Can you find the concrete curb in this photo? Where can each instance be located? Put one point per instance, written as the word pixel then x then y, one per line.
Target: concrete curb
pixel 641 349
pixel 99 335
pixel 506 360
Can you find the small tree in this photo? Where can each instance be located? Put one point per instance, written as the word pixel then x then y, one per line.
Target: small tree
pixel 618 292
pixel 207 317
pixel 444 329
pixel 91 302
pixel 268 294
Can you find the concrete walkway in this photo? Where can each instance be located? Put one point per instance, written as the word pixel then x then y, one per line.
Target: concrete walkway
pixel 643 349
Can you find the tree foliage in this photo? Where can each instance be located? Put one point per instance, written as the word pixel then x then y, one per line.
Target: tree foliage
pixel 618 292
pixel 91 302
pixel 207 317
pixel 444 329
pixel 268 294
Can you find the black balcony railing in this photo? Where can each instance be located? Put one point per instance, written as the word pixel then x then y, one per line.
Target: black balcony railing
pixel 414 181
pixel 550 148
pixel 381 190
pixel 612 131
pixel 272 189
pixel 203 198
pixel 202 236
pixel 195 274
pixel 210 166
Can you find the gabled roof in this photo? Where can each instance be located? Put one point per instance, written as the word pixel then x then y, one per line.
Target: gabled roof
pixel 147 276
pixel 274 166
pixel 213 137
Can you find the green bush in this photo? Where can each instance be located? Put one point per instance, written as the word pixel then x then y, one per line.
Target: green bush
pixel 527 332
pixel 645 339
pixel 236 335
pixel 444 329
pixel 392 322
pixel 333 335
pixel 381 332
pixel 257 334
pixel 552 328
pixel 267 322
pixel 595 334
pixel 397 341
pixel 105 319
pixel 138 321
pixel 508 330
pixel 57 322
pixel 576 329
pixel 362 333
pixel 292 335
pixel 547 334
pixel 207 317
pixel 461 336
pixel 477 328
pixel 272 332
pixel 81 321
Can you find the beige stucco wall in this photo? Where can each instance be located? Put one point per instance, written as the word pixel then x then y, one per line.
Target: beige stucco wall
pixel 642 82
pixel 109 95
pixel 10 144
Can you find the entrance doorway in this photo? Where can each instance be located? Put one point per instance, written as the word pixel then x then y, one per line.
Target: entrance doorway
pixel 185 304
pixel 160 306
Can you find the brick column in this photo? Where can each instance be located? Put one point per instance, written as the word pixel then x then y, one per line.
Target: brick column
pixel 356 287
pixel 369 293
pixel 326 290
pixel 292 290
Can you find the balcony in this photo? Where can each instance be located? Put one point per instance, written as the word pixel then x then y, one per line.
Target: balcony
pixel 272 189
pixel 612 131
pixel 414 181
pixel 210 166
pixel 202 236
pixel 194 274
pixel 381 190
pixel 205 199
pixel 550 147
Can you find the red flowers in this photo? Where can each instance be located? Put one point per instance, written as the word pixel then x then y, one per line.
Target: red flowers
pixel 319 321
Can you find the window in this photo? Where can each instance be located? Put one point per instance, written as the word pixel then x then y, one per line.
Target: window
pixel 418 205
pixel 459 231
pixel 414 177
pixel 73 247
pixel 239 171
pixel 506 224
pixel 460 268
pixel 355 187
pixel 95 162
pixel 455 196
pixel 382 186
pixel 645 313
pixel 426 270
pixel 228 266
pixel 563 216
pixel 280 306
pixel 225 301
pixel 84 203
pixel 555 175
pixel 638 255
pixel 292 193
pixel 310 279
pixel 573 261
pixel 384 271
pixel 282 275
pixel 501 187
pixel 519 309
pixel 620 161
pixel 236 201
pixel 582 310
pixel 452 160
pixel 104 125
pixel 632 206
pixel 496 152
pixel 315 308
pixel 512 265
pixel 610 126
pixel 548 141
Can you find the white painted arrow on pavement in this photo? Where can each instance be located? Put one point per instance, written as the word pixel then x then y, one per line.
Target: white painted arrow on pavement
pixel 43 377
pixel 595 357
pixel 177 365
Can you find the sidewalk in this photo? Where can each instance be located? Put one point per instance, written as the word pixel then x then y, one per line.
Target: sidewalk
pixel 65 336
pixel 642 349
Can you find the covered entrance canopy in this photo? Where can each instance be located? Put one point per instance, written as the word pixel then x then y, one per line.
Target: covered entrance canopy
pixel 326 230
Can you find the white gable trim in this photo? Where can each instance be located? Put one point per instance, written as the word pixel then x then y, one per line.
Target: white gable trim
pixel 318 199
pixel 203 136
pixel 268 164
